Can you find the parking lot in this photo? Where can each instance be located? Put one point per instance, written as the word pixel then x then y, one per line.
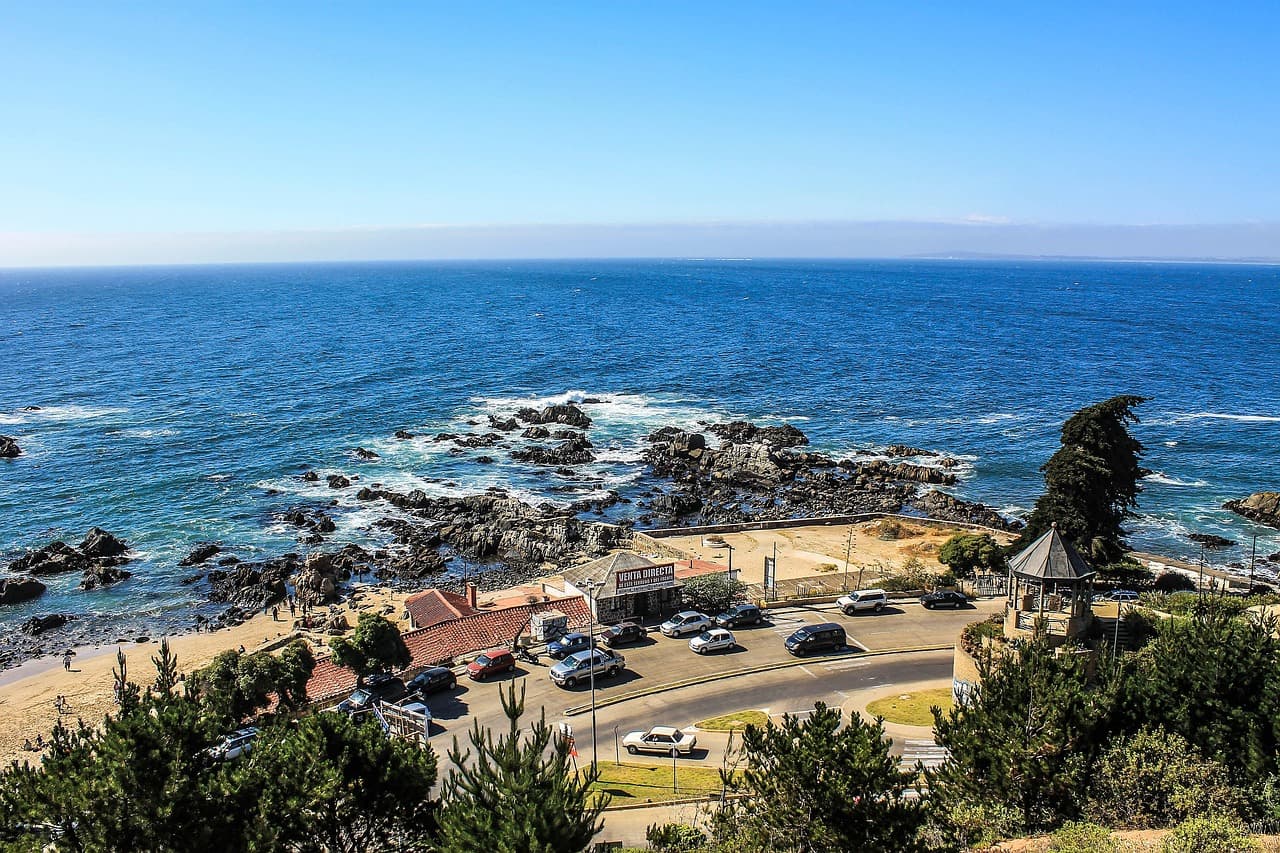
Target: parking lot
pixel 657 660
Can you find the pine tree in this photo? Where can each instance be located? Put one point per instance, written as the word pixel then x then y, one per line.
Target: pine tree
pixel 1024 744
pixel 374 646
pixel 1091 483
pixel 518 794
pixel 815 786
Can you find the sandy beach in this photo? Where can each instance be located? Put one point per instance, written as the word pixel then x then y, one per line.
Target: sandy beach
pixel 28 692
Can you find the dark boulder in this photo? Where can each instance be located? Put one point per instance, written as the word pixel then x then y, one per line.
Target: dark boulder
pixel 310 476
pixel 367 455
pixel 904 471
pixel 536 432
pixel 337 481
pixel 200 553
pixel 54 558
pixel 99 543
pixel 9 448
pixel 37 625
pixel 17 590
pixel 1211 540
pixel 504 424
pixel 744 432
pixel 403 435
pixel 484 460
pixel 561 413
pixel 98 576
pixel 946 507
pixel 674 506
pixel 906 450
pixel 572 452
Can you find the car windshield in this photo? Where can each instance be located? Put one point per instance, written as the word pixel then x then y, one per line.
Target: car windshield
pixel 705 636
pixel 360 697
pixel 484 660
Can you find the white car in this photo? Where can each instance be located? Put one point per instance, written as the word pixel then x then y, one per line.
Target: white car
pixel 235 744
pixel 686 622
pixel 664 740
pixel 863 599
pixel 715 640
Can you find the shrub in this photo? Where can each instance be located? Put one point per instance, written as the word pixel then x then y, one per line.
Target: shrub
pixel 1215 834
pixel 890 530
pixel 1173 582
pixel 674 838
pixel 825 567
pixel 972 635
pixel 1083 838
pixel 967 554
pixel 912 576
pixel 712 593
pixel 1155 779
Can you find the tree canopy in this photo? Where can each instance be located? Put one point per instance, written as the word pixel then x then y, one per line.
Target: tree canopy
pixel 713 593
pixel 1091 482
pixel 374 646
pixel 967 554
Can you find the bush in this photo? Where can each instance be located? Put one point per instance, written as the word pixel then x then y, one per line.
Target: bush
pixel 972 635
pixel 1216 834
pixel 912 576
pixel 967 554
pixel 674 838
pixel 1155 779
pixel 1083 838
pixel 890 530
pixel 712 593
pixel 1173 582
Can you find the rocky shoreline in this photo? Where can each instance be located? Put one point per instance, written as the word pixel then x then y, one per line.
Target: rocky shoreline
pixel 725 473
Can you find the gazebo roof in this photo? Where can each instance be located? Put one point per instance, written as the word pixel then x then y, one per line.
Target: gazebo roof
pixel 1050 558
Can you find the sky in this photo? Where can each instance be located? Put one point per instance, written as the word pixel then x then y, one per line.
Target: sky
pixel 221 131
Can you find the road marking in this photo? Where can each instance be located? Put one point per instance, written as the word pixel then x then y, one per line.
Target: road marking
pixel 926 752
pixel 843 665
pixel 809 672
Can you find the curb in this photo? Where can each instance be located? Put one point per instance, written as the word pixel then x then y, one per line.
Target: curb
pixel 575 710
pixel 689 801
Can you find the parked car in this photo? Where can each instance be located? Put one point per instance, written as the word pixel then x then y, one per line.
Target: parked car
pixel 568 644
pixel 235 744
pixel 740 615
pixel 713 640
pixel 578 667
pixel 1116 595
pixel 664 740
pixel 685 622
pixel 863 599
pixel 944 598
pixel 623 632
pixel 379 687
pixel 815 638
pixel 432 680
pixel 491 662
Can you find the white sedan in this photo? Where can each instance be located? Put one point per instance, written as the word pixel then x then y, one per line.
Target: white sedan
pixel 715 640
pixel 665 740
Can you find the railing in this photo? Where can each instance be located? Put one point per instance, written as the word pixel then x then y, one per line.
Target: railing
pixel 1027 621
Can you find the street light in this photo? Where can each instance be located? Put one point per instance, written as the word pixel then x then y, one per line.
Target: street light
pixel 591 586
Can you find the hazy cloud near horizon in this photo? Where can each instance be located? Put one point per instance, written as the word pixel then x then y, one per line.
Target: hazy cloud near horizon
pixel 711 239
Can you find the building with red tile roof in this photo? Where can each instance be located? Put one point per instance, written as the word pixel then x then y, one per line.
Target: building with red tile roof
pixel 433 606
pixel 446 642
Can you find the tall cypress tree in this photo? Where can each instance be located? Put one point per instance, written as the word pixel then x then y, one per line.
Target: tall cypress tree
pixel 1091 483
pixel 518 795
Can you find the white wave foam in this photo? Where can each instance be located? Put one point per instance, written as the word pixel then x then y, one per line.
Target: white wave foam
pixel 1226 416
pixel 59 414
pixel 1165 480
pixel 1170 443
pixel 995 418
pixel 144 433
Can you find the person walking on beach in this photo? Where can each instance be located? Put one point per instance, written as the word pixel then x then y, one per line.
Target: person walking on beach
pixel 66 659
pixel 292 610
pixel 275 614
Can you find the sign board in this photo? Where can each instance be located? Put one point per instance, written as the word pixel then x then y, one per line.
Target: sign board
pixel 770 573
pixel 644 579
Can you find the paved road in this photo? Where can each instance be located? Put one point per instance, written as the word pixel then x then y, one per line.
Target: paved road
pixel 661 660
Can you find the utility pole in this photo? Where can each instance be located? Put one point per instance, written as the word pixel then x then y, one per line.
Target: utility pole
pixel 848 548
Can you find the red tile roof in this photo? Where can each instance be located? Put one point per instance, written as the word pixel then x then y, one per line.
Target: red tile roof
pixel 433 606
pixel 446 641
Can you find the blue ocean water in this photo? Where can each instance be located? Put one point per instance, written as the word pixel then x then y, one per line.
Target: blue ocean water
pixel 179 404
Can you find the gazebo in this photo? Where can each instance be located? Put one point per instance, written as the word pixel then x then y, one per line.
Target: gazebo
pixel 1050 588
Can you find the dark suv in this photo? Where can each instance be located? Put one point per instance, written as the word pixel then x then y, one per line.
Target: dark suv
pixel 623 632
pixel 432 680
pixel 816 638
pixel 376 688
pixel 739 615
pixel 944 598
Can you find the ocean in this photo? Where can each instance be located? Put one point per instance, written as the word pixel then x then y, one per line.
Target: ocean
pixel 179 405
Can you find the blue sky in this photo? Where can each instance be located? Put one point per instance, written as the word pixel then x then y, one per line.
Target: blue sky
pixel 223 117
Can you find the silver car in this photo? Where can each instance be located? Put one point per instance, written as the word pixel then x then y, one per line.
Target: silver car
pixel 685 622
pixel 715 640
pixel 664 740
pixel 578 666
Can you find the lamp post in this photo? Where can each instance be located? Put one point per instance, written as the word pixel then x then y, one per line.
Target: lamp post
pixel 591 586
pixel 848 548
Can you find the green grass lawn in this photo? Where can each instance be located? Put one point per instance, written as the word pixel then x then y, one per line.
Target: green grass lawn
pixel 911 709
pixel 637 783
pixel 738 721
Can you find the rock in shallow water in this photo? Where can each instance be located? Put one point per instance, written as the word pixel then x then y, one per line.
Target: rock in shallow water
pixel 17 590
pixel 9 448
pixel 1262 507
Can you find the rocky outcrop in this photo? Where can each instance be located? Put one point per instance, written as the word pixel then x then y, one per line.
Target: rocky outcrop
pixel 1211 540
pixel 18 590
pixel 907 450
pixel 536 432
pixel 310 476
pixel 53 559
pixel 745 432
pixel 9 448
pixel 563 413
pixel 904 471
pixel 200 553
pixel 366 455
pixel 503 424
pixel 403 435
pixel 38 625
pixel 488 439
pixel 337 481
pixel 252 585
pixel 306 518
pixel 1262 507
pixel 318 580
pixel 99 575
pixel 575 451
pixel 946 507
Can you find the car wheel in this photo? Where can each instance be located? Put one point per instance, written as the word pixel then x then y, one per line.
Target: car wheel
pixel 800 653
pixel 879 607
pixel 632 749
pixel 571 682
pixel 674 752
pixel 613 671
pixel 479 676
pixel 928 606
pixel 848 611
